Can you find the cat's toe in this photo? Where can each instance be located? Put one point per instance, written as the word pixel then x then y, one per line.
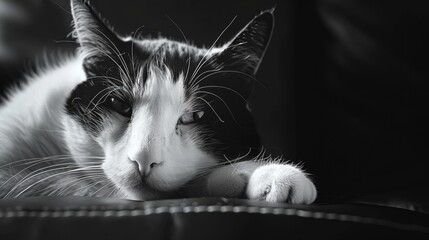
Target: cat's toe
pixel 281 183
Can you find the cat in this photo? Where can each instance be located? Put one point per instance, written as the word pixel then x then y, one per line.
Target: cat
pixel 143 119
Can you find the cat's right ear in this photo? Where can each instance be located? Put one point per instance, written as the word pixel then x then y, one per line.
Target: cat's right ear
pixel 244 53
pixel 246 50
pixel 97 40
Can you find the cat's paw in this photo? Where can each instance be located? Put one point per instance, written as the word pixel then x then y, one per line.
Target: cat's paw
pixel 281 183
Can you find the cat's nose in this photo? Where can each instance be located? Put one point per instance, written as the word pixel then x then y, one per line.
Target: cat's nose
pixel 144 164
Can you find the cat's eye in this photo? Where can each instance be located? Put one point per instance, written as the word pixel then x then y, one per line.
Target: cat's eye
pixel 189 118
pixel 120 106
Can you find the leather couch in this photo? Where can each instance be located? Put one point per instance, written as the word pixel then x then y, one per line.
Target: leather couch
pixel 85 218
pixel 345 89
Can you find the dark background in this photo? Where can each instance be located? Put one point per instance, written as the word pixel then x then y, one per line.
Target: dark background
pixel 345 82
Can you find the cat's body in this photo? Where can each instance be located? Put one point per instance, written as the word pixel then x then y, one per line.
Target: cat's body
pixel 143 119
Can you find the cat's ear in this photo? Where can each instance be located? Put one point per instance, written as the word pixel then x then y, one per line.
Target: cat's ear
pixel 96 38
pixel 246 50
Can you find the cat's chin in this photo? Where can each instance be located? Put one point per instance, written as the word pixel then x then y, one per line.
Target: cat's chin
pixel 143 192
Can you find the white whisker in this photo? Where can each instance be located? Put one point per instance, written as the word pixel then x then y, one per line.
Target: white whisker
pixel 201 63
pixel 49 177
pixel 118 53
pixel 226 105
pixel 217 115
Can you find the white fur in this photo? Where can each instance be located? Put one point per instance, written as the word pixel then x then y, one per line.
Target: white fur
pixel 29 123
pixel 262 180
pixel 279 183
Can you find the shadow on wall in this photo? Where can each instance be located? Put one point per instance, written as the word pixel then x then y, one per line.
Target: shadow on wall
pixel 27 29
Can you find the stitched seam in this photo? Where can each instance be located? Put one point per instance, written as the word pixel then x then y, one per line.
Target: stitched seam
pixel 58 213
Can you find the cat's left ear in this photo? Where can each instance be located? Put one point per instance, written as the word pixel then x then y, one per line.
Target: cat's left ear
pixel 95 36
pixel 246 50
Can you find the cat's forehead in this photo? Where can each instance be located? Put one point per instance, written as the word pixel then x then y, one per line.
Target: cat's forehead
pixel 160 84
pixel 178 57
pixel 171 46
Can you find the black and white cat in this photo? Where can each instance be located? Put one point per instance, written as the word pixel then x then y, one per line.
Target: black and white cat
pixel 143 119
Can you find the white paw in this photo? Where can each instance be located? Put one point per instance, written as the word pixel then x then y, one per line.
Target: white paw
pixel 281 183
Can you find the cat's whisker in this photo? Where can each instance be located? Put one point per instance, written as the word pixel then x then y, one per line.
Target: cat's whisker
pixel 226 88
pixel 198 68
pixel 232 164
pixel 217 115
pixel 72 183
pixel 46 178
pixel 261 154
pixel 188 60
pixel 92 177
pixel 106 185
pixel 87 175
pixel 239 158
pixel 226 105
pixel 33 174
pixel 229 71
pixel 201 63
pixel 17 174
pixel 212 59
pixel 203 59
pixel 247 154
pixel 196 82
pixel 27 161
pixel 63 41
pixel 109 191
pixel 110 89
pixel 37 162
pixel 65 186
pixel 113 192
pixel 102 99
pixel 229 162
pixel 104 77
pixel 120 83
pixel 107 54
pixel 131 57
pixel 203 171
pixel 44 170
pixel 132 50
pixel 117 52
pixel 95 110
pixel 96 95
pixel 126 83
pixel 112 80
pixel 128 86
pixel 186 40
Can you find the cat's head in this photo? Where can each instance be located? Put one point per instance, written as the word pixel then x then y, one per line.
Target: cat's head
pixel 161 112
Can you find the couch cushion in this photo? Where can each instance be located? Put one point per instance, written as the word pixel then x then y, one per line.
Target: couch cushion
pixel 204 218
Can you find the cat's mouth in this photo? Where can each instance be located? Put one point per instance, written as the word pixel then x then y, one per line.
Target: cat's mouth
pixel 145 191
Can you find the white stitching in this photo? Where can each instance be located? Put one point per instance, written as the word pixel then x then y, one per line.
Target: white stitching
pixel 18 212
